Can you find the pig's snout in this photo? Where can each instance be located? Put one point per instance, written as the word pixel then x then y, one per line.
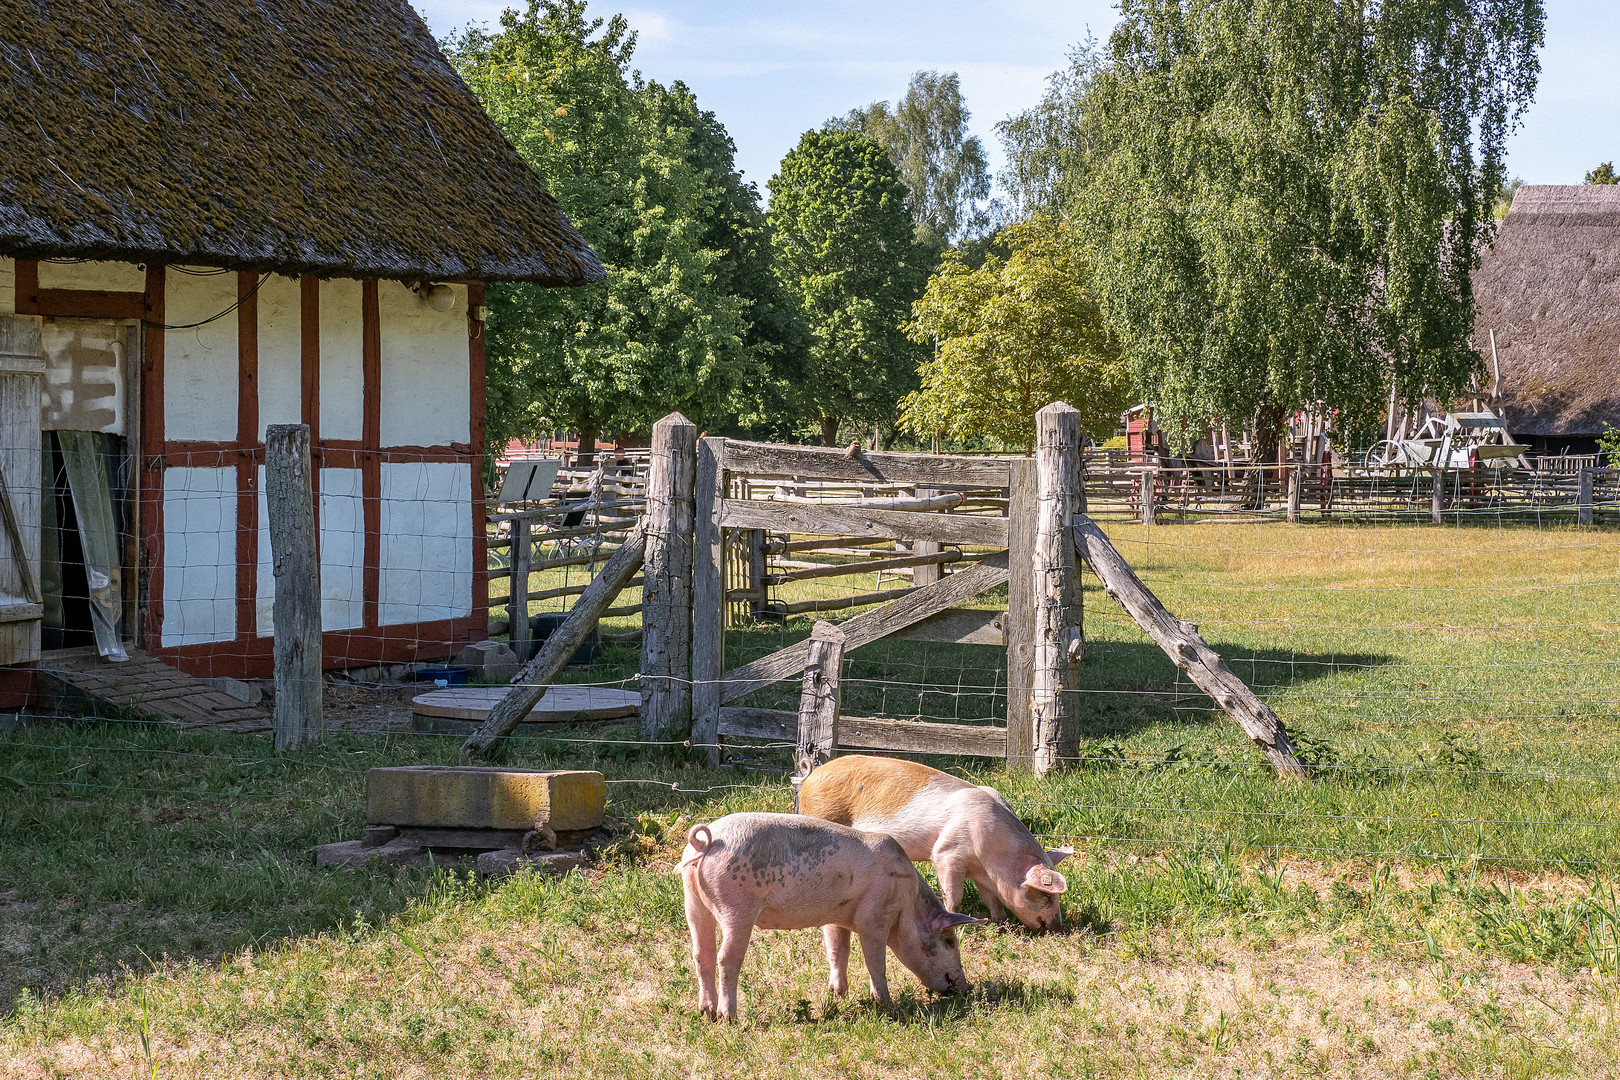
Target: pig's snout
pixel 951 983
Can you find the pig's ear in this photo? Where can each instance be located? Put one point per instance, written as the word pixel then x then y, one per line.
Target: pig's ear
pixel 1057 855
pixel 1046 880
pixel 947 919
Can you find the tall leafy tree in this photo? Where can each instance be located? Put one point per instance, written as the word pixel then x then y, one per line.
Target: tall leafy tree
pixel 1282 200
pixel 1010 336
pixel 845 252
pixel 943 166
pixel 1603 174
pixel 643 174
pixel 737 230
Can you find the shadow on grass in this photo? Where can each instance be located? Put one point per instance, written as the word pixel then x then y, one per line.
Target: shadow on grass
pixel 124 844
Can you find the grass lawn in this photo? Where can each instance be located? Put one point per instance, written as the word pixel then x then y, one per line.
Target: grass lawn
pixel 1439 901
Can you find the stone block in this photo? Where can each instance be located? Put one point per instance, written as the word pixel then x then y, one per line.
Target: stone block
pixel 503 862
pixel 245 692
pixel 352 854
pixel 378 835
pixel 470 797
pixel 489 661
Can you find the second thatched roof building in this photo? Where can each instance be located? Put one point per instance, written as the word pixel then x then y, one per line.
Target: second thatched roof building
pixel 1548 290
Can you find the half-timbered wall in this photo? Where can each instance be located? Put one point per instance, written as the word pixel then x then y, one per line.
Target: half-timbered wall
pixel 393 393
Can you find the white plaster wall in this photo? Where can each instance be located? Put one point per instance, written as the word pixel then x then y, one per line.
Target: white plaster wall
pixel 343 360
pixel 281 379
pixel 426 555
pixel 102 276
pixel 199 555
pixel 343 550
pixel 426 396
pixel 200 373
pixel 343 547
pixel 8 286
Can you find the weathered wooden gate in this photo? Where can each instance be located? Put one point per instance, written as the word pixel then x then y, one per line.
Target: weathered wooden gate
pixel 928 613
pixel 688 696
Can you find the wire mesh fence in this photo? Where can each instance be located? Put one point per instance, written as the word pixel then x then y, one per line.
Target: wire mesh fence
pixel 1454 687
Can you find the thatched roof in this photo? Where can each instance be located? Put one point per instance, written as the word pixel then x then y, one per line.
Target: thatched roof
pixel 318 136
pixel 1550 288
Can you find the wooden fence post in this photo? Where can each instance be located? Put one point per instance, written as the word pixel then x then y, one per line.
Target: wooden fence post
pixel 517 596
pixel 818 703
pixel 1019 627
pixel 708 602
pixel 1583 497
pixel 666 604
pixel 927 573
pixel 290 503
pixel 1150 495
pixel 1295 480
pixel 1059 636
pixel 1437 496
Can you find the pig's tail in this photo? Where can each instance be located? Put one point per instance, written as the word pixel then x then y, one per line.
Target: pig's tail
pixel 699 838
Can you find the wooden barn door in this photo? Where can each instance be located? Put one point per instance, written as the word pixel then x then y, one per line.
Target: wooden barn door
pixel 20 606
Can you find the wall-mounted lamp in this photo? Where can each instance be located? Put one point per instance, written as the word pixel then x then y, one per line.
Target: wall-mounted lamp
pixel 438 297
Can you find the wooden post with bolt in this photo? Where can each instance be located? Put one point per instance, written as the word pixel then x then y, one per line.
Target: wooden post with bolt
pixel 1059 630
pixel 1019 626
pixel 290 505
pixel 819 703
pixel 666 591
pixel 708 602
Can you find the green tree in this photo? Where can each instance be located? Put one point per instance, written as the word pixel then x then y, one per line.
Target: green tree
pixel 776 339
pixel 1011 336
pixel 1603 174
pixel 1282 200
pixel 1504 201
pixel 642 174
pixel 943 167
pixel 845 252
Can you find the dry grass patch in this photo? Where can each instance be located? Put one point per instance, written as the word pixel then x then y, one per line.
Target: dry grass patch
pixel 590 978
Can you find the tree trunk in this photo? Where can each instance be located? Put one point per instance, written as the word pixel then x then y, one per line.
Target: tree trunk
pixel 829 431
pixel 1270 422
pixel 587 442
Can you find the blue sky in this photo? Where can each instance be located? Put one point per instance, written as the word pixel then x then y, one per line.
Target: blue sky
pixel 771 71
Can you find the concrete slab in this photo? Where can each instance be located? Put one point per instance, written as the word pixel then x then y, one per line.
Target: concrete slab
pixel 470 797
pixel 353 854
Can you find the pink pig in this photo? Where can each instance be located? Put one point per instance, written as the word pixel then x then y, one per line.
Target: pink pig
pixel 967 832
pixel 786 872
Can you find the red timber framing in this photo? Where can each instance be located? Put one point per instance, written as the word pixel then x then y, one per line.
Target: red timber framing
pixel 249 655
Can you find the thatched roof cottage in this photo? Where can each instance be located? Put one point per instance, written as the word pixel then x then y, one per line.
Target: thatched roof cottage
pixel 1549 288
pixel 225 216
